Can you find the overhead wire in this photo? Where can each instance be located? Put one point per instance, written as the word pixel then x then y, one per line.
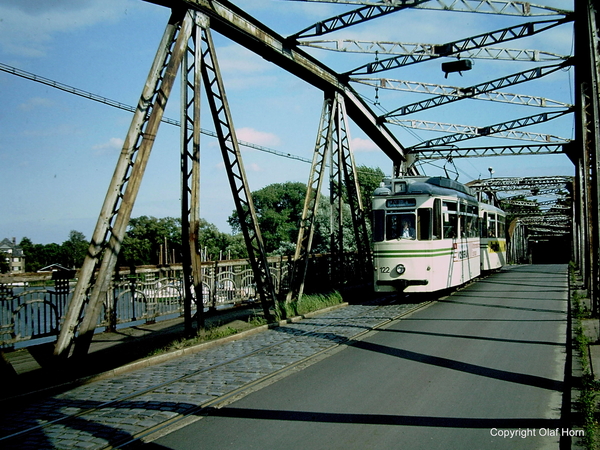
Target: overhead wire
pixel 129 108
pixel 123 106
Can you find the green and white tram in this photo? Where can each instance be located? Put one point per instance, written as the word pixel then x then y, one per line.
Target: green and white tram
pixel 492 222
pixel 426 234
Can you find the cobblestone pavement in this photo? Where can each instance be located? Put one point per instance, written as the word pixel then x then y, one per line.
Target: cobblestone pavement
pixel 111 411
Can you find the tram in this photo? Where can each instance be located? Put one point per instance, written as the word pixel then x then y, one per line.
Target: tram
pixel 428 235
pixel 492 234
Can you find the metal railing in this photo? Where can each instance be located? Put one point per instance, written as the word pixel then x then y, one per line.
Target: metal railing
pixel 33 305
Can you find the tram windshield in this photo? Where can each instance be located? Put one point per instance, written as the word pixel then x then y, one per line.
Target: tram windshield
pixel 400 226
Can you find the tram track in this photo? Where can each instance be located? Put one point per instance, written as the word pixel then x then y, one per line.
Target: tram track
pixel 201 409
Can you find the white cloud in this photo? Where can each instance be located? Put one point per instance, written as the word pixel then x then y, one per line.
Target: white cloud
pixel 238 59
pixel 35 103
pixel 108 146
pixel 363 145
pixel 257 137
pixel 253 167
pixel 242 70
pixel 29 26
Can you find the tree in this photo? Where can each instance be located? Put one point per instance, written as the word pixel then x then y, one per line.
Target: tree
pixel 369 179
pixel 4 265
pixel 38 256
pixel 279 210
pixel 74 250
pixel 152 241
pixel 30 257
pixel 215 244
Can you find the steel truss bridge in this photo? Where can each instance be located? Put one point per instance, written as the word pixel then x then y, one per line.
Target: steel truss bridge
pixel 351 98
pixel 540 208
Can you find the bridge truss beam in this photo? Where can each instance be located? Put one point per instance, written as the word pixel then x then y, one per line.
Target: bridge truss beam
pixel 198 60
pixel 478 152
pixel 333 141
pixel 460 46
pixel 501 130
pixel 523 183
pixel 478 89
pixel 235 24
pixel 460 92
pixel 242 196
pixel 501 7
pixel 118 204
pixel 405 48
pixel 191 84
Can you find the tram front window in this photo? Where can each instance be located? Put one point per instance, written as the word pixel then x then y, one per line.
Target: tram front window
pixel 400 226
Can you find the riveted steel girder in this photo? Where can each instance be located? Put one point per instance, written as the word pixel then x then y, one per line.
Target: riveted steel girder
pixel 99 264
pixel 477 152
pixel 236 174
pixel 311 202
pixel 501 7
pixel 333 140
pixel 463 45
pixel 522 183
pixel 359 224
pixel 407 48
pixel 503 130
pixel 478 89
pixel 460 92
pixel 230 21
pixel 191 83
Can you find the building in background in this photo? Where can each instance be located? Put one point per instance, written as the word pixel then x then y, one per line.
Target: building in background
pixel 13 254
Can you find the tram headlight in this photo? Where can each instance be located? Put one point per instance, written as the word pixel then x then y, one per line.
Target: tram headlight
pixel 400 269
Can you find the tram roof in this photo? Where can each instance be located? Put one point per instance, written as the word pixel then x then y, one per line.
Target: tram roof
pixel 422 185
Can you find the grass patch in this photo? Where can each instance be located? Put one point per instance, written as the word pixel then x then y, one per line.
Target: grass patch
pixel 310 303
pixel 214 332
pixel 589 389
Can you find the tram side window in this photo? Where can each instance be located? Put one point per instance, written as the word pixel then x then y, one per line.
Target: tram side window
pixel 462 219
pixel 472 221
pixel 501 226
pixel 424 224
pixel 450 220
pixel 378 225
pixel 492 225
pixel 483 225
pixel 400 226
pixel 437 219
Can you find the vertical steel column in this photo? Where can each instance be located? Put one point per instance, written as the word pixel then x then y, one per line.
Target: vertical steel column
pixel 311 202
pixel 583 232
pixel 114 215
pixel 588 132
pixel 579 247
pixel 594 99
pixel 235 172
pixel 191 81
pixel 336 199
pixel 363 247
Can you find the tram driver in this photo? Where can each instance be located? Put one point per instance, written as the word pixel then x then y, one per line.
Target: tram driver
pixel 407 232
pixel 400 226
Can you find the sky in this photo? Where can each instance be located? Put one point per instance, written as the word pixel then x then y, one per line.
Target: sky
pixel 58 151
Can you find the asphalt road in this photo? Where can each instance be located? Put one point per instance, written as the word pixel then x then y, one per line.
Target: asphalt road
pixel 485 362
